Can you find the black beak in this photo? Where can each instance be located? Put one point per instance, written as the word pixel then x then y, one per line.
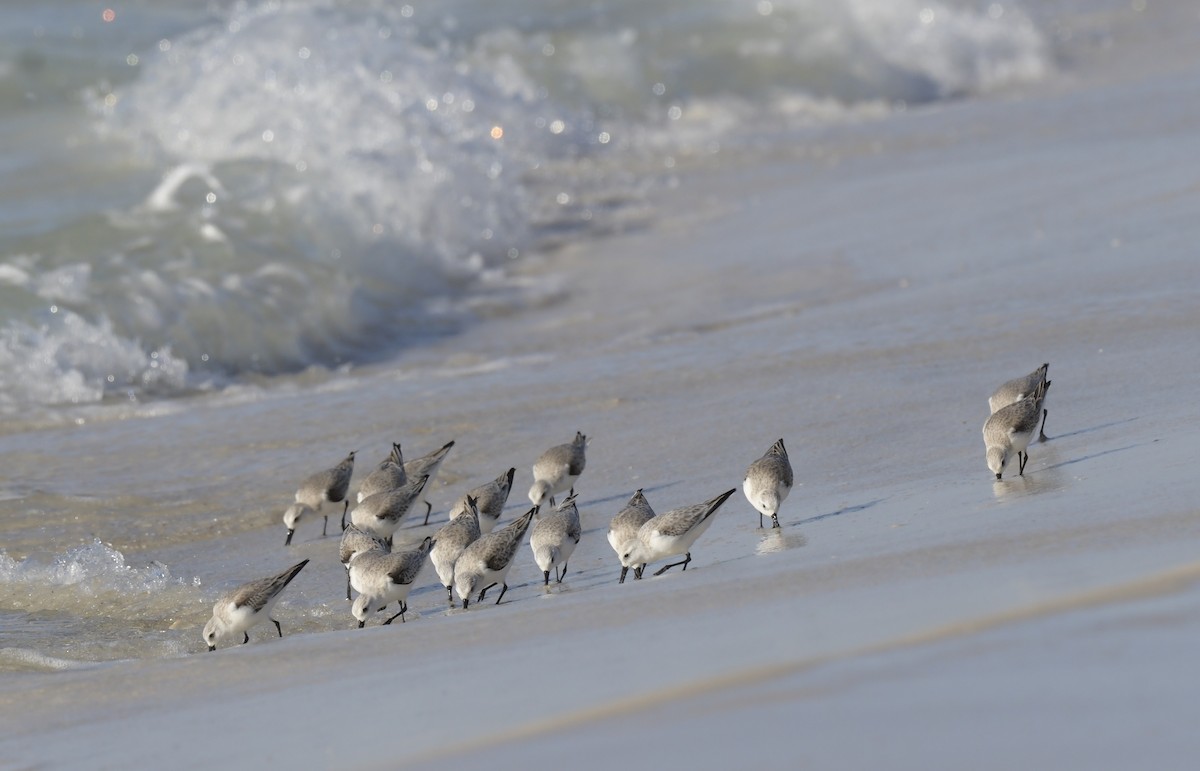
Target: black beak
pixel 624 570
pixel 361 624
pixel 997 476
pixel 288 541
pixel 466 603
pixel 212 648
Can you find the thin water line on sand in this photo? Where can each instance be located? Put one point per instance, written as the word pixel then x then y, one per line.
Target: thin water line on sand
pixel 1171 581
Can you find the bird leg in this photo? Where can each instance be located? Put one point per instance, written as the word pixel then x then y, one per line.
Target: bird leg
pixel 403 610
pixel 345 508
pixel 1042 431
pixel 624 570
pixel 1023 458
pixel 277 627
pixel 325 526
pixel 245 637
pixel 489 586
pixel 450 595
pixel 428 511
pixel 502 591
pixel 685 562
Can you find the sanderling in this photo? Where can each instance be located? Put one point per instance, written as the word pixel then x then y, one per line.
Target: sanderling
pixel 671 534
pixel 247 605
pixel 489 498
pixel 387 475
pixel 382 577
pixel 554 539
pixel 624 527
pixel 485 562
pixel 329 485
pixel 427 465
pixel 768 482
pixel 1017 389
pixel 354 540
pixel 381 513
pixel 1010 429
pixel 556 470
pixel 456 535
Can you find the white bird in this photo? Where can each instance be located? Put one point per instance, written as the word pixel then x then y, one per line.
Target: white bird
pixel 556 470
pixel 427 465
pixel 1017 389
pixel 554 539
pixel 382 577
pixel 490 498
pixel 486 562
pixel 355 540
pixel 380 514
pixel 246 606
pixel 624 527
pixel 454 536
pixel 388 475
pixel 328 486
pixel 1010 429
pixel 671 534
pixel 768 482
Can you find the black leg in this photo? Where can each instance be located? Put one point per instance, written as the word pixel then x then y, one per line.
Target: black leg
pixel 564 573
pixel 502 591
pixel 245 637
pixel 685 562
pixel 637 572
pixel 403 610
pixel 489 586
pixel 553 505
pixel 347 584
pixel 1023 458
pixel 345 508
pixel 277 627
pixel 428 511
pixel 760 520
pixel 624 570
pixel 450 596
pixel 1042 431
pixel 325 526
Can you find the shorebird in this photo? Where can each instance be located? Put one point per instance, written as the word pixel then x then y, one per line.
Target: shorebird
pixel 454 536
pixel 556 470
pixel 671 534
pixel 381 513
pixel 382 577
pixel 427 465
pixel 329 486
pixel 490 498
pixel 1020 387
pixel 554 539
pixel 623 529
pixel 388 475
pixel 246 606
pixel 486 562
pixel 1010 429
pixel 355 540
pixel 768 482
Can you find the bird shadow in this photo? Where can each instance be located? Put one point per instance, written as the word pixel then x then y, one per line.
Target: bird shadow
pixel 1091 429
pixel 1092 456
pixel 838 513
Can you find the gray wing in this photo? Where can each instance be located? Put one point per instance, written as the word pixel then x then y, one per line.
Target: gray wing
pixel 258 593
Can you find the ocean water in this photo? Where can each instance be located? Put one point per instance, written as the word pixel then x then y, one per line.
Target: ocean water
pixel 685 229
pixel 194 196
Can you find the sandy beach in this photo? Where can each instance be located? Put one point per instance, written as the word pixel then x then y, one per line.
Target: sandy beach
pixel 858 291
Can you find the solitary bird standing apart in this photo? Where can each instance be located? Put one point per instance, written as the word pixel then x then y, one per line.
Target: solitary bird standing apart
pixel 329 486
pixel 486 562
pixel 768 482
pixel 1020 387
pixel 556 470
pixel 427 465
pixel 1010 429
pixel 671 534
pixel 246 606
pixel 623 529
pixel 554 539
